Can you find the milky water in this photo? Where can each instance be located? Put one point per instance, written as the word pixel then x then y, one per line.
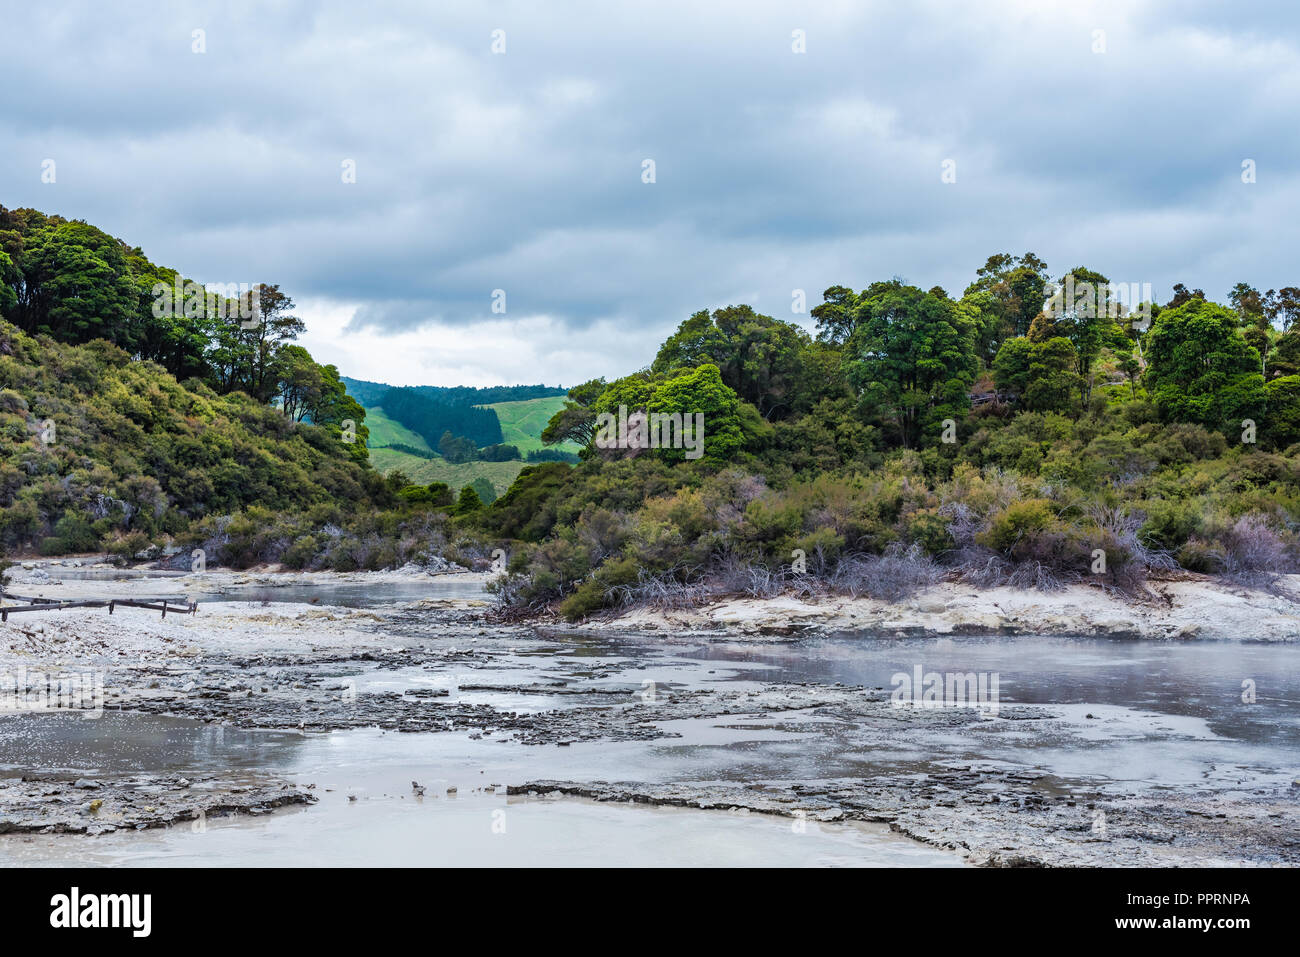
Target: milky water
pixel 369 815
pixel 1129 714
pixel 1164 712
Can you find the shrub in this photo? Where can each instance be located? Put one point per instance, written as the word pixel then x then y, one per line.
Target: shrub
pixel 1016 524
pixel 1197 555
pixel 1253 553
pixel 929 530
pixel 468 501
pixel 901 571
pixel 129 546
pixel 72 534
pixel 302 553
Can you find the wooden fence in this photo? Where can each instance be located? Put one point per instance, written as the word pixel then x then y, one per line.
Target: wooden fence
pixel 177 606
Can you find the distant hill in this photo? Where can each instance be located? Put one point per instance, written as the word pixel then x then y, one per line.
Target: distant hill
pixel 385 432
pixel 395 445
pixel 432 417
pixel 414 418
pixel 457 475
pixel 522 423
pixel 370 393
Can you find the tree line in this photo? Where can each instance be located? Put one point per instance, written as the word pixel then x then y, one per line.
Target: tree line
pixel 73 282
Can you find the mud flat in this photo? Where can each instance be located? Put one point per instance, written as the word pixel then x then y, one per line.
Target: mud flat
pixel 1000 818
pixel 56 805
pixel 1102 751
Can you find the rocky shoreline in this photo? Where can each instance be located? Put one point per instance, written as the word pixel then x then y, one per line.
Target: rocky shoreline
pixel 1000 818
pixel 1189 607
pixel 1177 607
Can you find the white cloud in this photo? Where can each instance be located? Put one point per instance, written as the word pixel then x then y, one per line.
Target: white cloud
pixel 490 352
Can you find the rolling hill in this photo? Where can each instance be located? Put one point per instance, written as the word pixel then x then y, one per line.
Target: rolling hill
pixel 457 475
pixel 522 423
pixel 384 431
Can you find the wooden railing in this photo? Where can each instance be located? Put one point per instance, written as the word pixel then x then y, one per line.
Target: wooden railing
pixel 177 606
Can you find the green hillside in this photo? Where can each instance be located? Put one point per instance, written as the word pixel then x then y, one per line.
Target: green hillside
pixel 522 422
pixel 385 431
pixel 457 475
pixel 98 451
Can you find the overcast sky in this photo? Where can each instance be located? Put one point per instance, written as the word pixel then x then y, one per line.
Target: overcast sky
pixel 774 170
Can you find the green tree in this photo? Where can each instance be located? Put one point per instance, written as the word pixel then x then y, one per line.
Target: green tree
pixel 1082 310
pixel 1258 339
pixel 1282 420
pixel 454 448
pixel 1249 305
pixel 836 315
pixel 1284 360
pixel 271 326
pixel 1042 374
pixel 300 383
pixel 77 286
pixel 468 501
pixel 701 391
pixel 686 393
pixel 758 357
pixel 1016 288
pixel 1182 294
pixel 575 422
pixel 912 357
pixel 1282 307
pixel 487 492
pixel 1200 368
pixel 168 333
pixel 9 281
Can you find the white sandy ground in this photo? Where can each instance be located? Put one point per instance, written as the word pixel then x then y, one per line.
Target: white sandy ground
pixel 41 577
pixel 1194 607
pixel 172 650
pixel 223 627
pixel 220 627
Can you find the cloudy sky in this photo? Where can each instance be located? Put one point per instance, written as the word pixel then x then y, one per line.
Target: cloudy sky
pixel 1111 135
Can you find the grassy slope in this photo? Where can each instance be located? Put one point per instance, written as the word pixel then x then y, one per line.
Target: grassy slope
pixel 522 422
pixel 424 471
pixel 386 431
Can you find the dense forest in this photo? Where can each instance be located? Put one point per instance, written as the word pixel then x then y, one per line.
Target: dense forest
pixel 1027 433
pixel 99 451
pixel 136 404
pixel 74 283
pixel 430 419
pixel 453 420
pixel 146 414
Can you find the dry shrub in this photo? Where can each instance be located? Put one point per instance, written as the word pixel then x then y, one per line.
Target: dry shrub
pixel 1254 554
pixel 664 592
pixel 900 572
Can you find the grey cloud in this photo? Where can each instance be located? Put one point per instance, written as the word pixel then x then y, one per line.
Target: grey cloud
pixel 775 171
